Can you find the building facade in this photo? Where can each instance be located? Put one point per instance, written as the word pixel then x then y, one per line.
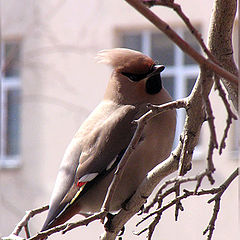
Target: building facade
pixel 51 82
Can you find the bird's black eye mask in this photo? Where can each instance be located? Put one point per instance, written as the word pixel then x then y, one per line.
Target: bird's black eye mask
pixel 137 77
pixel 153 84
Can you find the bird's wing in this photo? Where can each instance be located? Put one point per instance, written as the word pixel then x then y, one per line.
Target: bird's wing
pixel 95 150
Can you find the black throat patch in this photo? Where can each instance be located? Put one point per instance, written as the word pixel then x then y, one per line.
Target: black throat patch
pixel 154 84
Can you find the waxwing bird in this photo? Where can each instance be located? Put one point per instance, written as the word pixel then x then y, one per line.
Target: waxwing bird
pixel 92 156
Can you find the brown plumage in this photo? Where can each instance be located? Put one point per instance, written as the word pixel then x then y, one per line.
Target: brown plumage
pixel 92 156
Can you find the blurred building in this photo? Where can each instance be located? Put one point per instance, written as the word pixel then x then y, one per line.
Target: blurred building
pixel 51 82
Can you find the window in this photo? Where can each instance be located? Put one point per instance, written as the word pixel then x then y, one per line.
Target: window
pixel 10 104
pixel 181 70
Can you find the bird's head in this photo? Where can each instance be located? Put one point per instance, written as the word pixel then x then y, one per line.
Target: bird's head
pixel 133 73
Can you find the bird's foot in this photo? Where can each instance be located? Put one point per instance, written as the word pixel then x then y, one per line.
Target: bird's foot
pixel 108 225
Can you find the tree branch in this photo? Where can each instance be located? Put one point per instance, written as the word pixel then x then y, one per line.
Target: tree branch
pixel 24 222
pixel 177 8
pixel 220 42
pixel 230 113
pixel 164 27
pixel 186 193
pixel 180 180
pixel 217 199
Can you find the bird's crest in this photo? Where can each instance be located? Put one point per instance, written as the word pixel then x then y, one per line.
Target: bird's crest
pixel 125 59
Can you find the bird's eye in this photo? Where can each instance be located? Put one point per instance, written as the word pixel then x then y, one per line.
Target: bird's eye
pixel 134 77
pixel 137 77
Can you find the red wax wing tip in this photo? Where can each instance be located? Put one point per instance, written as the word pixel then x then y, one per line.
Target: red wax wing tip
pixel 80 184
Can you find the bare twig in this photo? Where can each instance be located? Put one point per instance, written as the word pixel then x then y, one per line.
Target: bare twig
pixel 47 233
pixel 217 191
pixel 210 119
pixel 164 27
pixel 177 8
pixel 27 232
pixel 27 217
pixel 67 227
pixel 175 200
pixel 179 180
pixel 199 178
pixel 217 199
pixel 24 223
pixel 213 143
pixel 85 221
pixel 231 115
pixel 210 164
pixel 178 203
pixel 213 139
pixel 152 226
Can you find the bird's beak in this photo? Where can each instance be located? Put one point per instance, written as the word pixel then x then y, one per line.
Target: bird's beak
pixel 156 70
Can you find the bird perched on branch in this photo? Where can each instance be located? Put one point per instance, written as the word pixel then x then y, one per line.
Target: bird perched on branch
pixel 93 154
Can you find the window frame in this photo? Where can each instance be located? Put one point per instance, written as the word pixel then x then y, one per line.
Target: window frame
pixel 8 83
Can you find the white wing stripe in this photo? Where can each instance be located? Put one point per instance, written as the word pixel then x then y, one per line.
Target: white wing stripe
pixel 88 177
